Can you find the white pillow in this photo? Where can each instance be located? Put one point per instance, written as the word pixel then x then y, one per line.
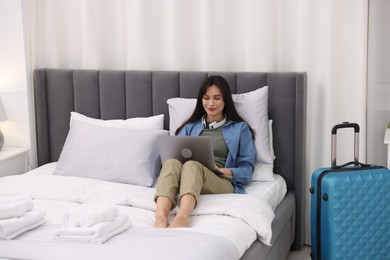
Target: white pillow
pixel 271 140
pixel 111 154
pixel 252 107
pixel 180 109
pixel 265 172
pixel 152 122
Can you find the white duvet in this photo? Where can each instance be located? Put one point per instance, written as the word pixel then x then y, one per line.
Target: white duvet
pixel 222 226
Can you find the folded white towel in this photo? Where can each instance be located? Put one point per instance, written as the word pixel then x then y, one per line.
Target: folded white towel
pixel 12 209
pixel 98 233
pixel 13 227
pixel 21 197
pixel 89 214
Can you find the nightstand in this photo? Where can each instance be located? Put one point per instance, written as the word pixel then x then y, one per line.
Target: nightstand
pixel 13 160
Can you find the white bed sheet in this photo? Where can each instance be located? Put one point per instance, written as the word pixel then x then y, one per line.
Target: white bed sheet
pixel 271 191
pixel 211 227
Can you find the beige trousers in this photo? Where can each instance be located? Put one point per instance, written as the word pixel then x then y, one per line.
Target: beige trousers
pixel 189 178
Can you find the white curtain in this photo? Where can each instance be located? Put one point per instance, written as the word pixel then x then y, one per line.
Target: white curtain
pixel 378 87
pixel 325 38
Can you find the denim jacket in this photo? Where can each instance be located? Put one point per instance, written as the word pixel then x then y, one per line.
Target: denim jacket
pixel 241 157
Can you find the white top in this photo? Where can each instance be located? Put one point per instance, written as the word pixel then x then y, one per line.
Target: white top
pixel 9 152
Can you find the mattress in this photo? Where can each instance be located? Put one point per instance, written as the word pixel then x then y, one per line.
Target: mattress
pixel 229 222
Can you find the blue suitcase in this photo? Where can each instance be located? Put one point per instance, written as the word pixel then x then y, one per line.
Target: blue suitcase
pixel 350 208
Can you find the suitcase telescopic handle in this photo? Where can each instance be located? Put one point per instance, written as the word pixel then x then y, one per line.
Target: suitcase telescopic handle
pixel 334 142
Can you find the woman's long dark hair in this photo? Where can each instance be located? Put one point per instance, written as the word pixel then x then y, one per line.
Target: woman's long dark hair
pixel 229 109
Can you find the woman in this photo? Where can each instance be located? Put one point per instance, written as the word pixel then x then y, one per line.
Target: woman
pixel 234 151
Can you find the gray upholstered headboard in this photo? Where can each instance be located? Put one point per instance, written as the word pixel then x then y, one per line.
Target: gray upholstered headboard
pixel 114 94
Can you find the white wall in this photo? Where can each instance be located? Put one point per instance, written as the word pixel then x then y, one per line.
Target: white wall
pixel 13 83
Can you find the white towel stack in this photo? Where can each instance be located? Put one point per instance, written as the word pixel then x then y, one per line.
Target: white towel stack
pixel 92 223
pixel 17 216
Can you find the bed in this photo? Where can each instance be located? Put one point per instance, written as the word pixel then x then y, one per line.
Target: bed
pixel 118 94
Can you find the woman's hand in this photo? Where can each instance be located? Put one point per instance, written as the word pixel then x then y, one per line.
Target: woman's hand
pixel 225 171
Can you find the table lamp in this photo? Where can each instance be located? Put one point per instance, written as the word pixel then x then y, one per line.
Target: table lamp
pixel 3 117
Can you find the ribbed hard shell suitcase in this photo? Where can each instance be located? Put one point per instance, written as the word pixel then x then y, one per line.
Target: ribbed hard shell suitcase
pixel 350 208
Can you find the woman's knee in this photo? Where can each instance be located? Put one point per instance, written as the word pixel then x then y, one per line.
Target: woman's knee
pixel 192 165
pixel 193 168
pixel 171 162
pixel 171 165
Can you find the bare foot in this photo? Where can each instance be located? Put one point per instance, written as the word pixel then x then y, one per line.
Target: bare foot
pixel 161 222
pixel 180 221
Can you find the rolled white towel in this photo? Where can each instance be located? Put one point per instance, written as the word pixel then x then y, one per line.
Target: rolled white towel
pixel 12 209
pixel 89 214
pixel 13 227
pixel 98 233
pixel 20 197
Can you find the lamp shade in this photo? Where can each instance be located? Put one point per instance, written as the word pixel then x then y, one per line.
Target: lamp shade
pixel 3 115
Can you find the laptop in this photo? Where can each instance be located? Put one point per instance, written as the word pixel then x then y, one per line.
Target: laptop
pixel 185 148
